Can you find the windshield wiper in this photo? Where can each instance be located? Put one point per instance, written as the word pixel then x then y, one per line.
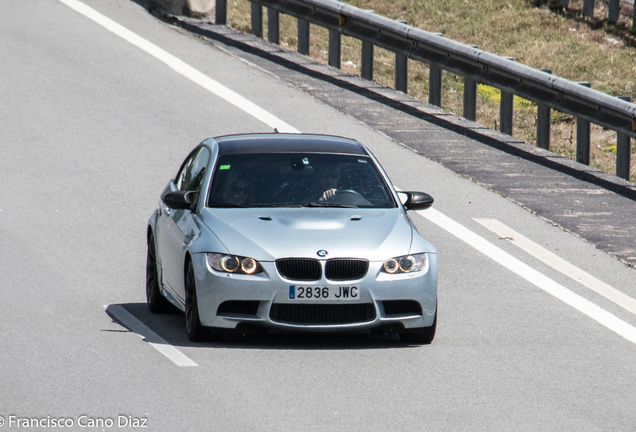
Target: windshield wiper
pixel 290 204
pixel 228 205
pixel 311 204
pixel 328 204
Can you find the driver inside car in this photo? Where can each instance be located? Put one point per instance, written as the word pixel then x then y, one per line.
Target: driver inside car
pixel 239 191
pixel 326 185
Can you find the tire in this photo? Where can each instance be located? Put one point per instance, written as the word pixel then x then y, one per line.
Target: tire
pixel 423 336
pixel 157 303
pixel 197 332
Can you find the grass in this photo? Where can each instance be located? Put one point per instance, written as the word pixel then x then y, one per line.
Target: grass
pixel 571 46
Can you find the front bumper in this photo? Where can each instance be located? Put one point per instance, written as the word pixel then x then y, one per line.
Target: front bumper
pixel 227 301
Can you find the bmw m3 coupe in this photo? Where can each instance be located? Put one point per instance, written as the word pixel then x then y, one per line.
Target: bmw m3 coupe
pixel 290 232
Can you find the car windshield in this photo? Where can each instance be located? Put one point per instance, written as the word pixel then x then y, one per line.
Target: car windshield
pixel 298 180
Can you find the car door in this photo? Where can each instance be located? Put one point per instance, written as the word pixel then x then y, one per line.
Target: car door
pixel 177 228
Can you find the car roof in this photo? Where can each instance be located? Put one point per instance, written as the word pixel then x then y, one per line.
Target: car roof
pixel 288 143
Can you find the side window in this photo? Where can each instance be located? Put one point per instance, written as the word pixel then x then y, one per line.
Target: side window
pixel 190 177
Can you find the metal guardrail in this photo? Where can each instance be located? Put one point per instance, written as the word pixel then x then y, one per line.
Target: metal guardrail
pixel 614 7
pixel 476 66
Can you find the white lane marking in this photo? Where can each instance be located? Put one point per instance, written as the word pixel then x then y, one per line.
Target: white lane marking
pixel 159 343
pixel 541 281
pixel 183 68
pixel 559 264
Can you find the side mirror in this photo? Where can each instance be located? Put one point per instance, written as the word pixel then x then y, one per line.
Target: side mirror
pixel 180 200
pixel 417 200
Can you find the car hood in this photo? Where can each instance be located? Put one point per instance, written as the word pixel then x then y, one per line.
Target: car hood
pixel 268 234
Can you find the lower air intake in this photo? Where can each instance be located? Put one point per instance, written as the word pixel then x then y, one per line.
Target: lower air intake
pixel 322 314
pixel 402 307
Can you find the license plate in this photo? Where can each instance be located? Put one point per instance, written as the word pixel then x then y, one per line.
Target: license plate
pixel 318 293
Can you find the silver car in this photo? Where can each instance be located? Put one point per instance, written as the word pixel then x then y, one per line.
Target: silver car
pixel 290 232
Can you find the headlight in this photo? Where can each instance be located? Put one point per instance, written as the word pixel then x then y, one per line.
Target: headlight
pixel 406 264
pixel 233 264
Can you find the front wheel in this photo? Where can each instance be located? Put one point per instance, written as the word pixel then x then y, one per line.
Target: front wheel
pixel 157 303
pixel 196 331
pixel 423 336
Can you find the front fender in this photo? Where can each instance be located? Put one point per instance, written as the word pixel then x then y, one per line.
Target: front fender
pixel 206 241
pixel 152 222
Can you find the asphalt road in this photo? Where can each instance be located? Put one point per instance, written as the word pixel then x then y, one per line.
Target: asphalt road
pixel 93 127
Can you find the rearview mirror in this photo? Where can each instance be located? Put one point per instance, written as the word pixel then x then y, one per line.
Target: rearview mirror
pixel 417 200
pixel 180 200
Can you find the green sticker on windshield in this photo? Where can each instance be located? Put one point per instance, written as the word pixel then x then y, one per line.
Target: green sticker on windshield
pixel 224 167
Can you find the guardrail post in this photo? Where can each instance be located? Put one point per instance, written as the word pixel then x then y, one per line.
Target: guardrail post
pixel 588 7
pixel 543 124
pixel 402 70
pixel 470 97
pixel 334 48
pixel 612 13
pixel 220 12
pixel 303 37
pixel 273 26
pixel 257 20
pixel 623 150
pixel 401 73
pixel 435 85
pixel 583 137
pixel 366 56
pixel 366 69
pixel 505 110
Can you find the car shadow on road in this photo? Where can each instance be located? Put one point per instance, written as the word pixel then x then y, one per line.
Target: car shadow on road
pixel 169 328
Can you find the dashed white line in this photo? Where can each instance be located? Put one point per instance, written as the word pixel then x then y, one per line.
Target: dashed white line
pixel 157 342
pixel 539 280
pixel 559 264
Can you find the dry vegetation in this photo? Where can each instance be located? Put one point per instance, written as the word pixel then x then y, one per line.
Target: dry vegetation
pixel 572 46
